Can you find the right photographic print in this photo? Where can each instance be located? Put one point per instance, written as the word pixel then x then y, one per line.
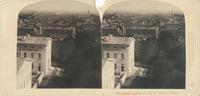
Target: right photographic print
pixel 143 46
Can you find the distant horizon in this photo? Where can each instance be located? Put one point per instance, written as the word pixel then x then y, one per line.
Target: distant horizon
pixel 144 7
pixel 59 12
pixel 74 7
pixel 60 7
pixel 141 12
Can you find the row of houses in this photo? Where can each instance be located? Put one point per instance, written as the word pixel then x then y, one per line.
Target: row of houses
pixel 57 31
pixel 142 31
pixel 138 32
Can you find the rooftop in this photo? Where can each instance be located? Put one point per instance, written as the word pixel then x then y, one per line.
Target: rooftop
pixel 147 27
pixel 32 40
pixel 117 40
pixel 58 27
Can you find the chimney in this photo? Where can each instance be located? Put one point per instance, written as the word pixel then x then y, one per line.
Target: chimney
pixel 28 35
pixel 23 38
pixel 110 36
pixel 105 38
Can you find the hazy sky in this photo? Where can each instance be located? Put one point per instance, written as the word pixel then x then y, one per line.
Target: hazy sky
pixel 144 6
pixel 138 6
pixel 59 6
pixel 99 3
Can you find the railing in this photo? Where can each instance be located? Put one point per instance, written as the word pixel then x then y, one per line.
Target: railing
pixel 37 79
pixel 123 77
pixel 40 77
pixel 120 79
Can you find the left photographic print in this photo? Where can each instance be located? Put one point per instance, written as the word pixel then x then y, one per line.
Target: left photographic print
pixel 58 45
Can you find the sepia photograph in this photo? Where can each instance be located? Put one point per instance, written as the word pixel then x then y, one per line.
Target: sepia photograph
pixel 145 43
pixel 58 45
pixel 61 47
pixel 99 47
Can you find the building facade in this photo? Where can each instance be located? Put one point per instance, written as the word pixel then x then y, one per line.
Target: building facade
pixel 37 48
pixel 142 32
pixel 24 73
pixel 122 50
pixel 108 74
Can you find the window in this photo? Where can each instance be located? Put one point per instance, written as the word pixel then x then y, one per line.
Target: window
pixel 115 55
pixel 122 55
pixel 39 67
pixel 115 66
pixel 115 47
pixel 18 54
pixel 108 55
pixel 39 55
pixel 32 65
pixel 25 55
pixel 122 67
pixel 32 55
